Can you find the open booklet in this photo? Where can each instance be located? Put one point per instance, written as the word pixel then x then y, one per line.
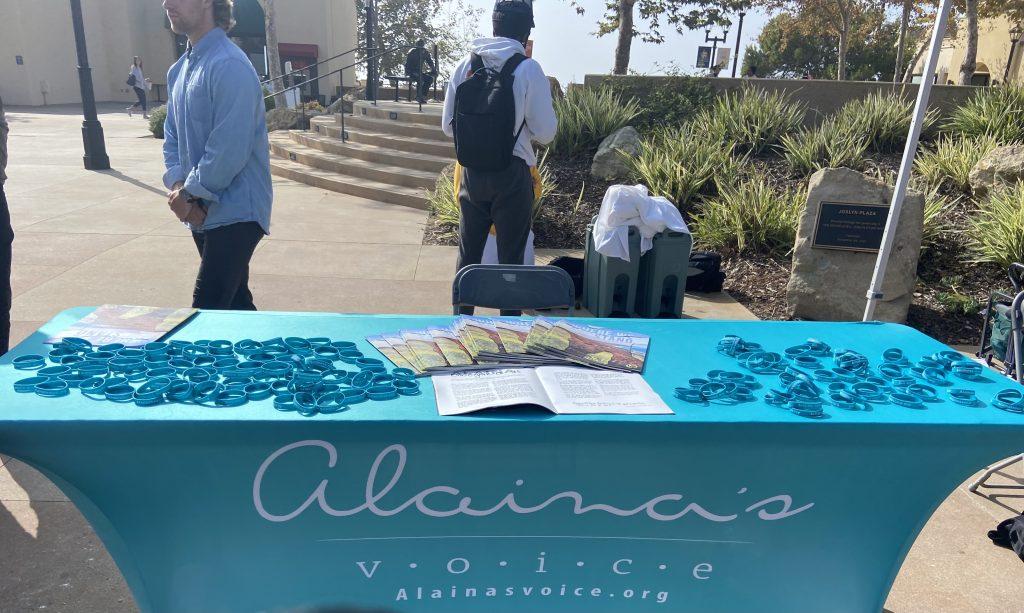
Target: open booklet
pixel 565 390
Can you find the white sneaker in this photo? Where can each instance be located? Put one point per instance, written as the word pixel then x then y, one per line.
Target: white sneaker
pixel 145 115
pixel 129 109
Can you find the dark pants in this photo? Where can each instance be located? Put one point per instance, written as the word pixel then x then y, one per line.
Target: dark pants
pixel 503 199
pixel 6 243
pixel 141 95
pixel 423 83
pixel 223 281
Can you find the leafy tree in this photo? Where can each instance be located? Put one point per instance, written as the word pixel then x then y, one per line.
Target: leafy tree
pixel 792 44
pixel 620 17
pixel 450 24
pixel 837 17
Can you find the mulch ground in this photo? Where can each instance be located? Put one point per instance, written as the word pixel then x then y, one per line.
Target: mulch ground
pixel 759 281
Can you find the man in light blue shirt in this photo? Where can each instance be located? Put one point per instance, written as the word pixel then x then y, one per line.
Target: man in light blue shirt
pixel 216 152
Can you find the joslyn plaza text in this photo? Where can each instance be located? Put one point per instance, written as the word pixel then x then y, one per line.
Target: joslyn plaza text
pixel 38 70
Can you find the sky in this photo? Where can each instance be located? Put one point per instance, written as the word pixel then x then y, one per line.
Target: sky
pixel 566 48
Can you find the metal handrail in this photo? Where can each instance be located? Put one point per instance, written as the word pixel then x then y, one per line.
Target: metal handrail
pixel 384 53
pixel 330 59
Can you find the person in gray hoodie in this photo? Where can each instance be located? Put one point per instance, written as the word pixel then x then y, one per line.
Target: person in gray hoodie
pixel 6 243
pixel 504 198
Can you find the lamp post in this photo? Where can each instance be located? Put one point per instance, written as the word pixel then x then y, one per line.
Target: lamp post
pixel 92 132
pixel 1015 33
pixel 714 40
pixel 736 53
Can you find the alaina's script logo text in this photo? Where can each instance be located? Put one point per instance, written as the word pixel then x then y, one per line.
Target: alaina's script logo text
pixel 666 507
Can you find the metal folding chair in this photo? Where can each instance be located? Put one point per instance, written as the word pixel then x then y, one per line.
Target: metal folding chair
pixel 513 288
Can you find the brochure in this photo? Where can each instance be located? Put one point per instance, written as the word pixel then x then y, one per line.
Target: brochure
pixel 560 389
pixel 481 343
pixel 132 326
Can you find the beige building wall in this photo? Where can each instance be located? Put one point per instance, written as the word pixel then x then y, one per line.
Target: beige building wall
pixel 993 54
pixel 40 32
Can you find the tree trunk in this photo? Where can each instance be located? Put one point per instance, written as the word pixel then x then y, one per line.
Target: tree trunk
pixel 908 75
pixel 273 53
pixel 625 36
pixel 902 41
pixel 970 62
pixel 844 46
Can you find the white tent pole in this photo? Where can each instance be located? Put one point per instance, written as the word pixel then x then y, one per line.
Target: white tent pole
pixel 907 165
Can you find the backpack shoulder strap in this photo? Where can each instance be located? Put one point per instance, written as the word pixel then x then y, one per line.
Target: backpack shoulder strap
pixel 476 63
pixel 511 64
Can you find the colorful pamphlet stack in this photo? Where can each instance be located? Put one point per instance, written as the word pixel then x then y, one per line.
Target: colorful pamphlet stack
pixel 474 343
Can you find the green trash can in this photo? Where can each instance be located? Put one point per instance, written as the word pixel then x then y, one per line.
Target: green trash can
pixel 609 284
pixel 663 272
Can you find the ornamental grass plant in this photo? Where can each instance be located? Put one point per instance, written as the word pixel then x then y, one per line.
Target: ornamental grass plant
pixel 949 163
pixel 997 112
pixel 752 216
pixel 995 233
pixel 683 164
pixel 587 115
pixel 830 145
pixel 751 120
pixel 883 119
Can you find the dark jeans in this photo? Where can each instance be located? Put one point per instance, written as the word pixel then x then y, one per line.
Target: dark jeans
pixel 141 95
pixel 223 281
pixel 6 243
pixel 423 81
pixel 503 199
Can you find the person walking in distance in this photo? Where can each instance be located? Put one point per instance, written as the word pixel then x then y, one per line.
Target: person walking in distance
pixel 6 243
pixel 141 85
pixel 216 152
pixel 497 104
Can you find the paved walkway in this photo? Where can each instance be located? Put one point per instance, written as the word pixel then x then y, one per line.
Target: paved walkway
pixel 86 238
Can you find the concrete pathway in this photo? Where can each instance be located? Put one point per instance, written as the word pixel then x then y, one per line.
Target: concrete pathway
pixel 87 238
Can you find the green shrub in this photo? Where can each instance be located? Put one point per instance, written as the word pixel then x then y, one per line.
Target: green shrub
pixel 937 209
pixel 828 146
pixel 751 120
pixel 671 101
pixel 883 119
pixel 587 115
pixel 156 121
pixel 949 164
pixel 444 204
pixel 954 301
pixel 682 164
pixel 996 232
pixel 994 111
pixel 268 100
pixel 751 216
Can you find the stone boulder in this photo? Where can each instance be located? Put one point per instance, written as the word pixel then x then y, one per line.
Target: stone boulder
pixel 830 284
pixel 612 160
pixel 288 119
pixel 1001 167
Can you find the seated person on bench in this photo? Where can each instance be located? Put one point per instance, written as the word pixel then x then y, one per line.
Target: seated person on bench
pixel 419 60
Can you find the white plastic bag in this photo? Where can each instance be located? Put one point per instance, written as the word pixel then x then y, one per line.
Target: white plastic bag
pixel 632 205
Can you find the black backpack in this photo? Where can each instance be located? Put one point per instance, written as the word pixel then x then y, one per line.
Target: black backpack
pixel 485 116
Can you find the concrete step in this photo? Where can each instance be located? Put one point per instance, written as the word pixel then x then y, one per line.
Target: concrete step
pixel 409 144
pixel 415 161
pixel 398 128
pixel 401 111
pixel 282 145
pixel 363 188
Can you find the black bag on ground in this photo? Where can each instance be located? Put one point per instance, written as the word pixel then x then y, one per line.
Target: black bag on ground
pixel 573 266
pixel 710 277
pixel 1010 534
pixel 484 120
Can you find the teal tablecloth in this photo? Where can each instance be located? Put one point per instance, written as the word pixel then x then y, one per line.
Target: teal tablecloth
pixel 716 508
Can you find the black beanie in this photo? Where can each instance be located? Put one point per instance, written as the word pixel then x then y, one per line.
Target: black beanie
pixel 513 18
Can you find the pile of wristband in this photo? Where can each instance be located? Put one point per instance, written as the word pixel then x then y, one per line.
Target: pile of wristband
pixel 813 375
pixel 300 374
